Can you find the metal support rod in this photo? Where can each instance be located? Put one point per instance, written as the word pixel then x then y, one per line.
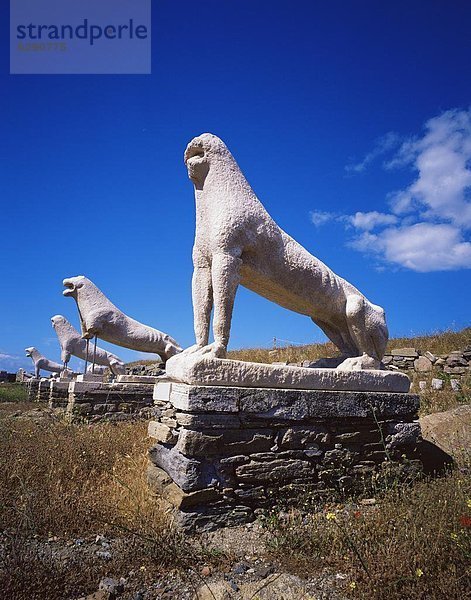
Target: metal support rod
pixel 86 357
pixel 94 355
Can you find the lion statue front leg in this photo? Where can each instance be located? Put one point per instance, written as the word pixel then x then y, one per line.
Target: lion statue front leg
pixel 214 285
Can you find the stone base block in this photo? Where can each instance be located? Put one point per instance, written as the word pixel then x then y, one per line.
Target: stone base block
pixel 197 369
pixel 94 401
pixel 43 390
pixel 32 388
pixel 221 453
pixel 150 379
pixel 59 394
pixel 90 377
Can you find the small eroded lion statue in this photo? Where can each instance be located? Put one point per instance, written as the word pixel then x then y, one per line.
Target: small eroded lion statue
pixel 72 344
pixel 42 363
pixel 237 242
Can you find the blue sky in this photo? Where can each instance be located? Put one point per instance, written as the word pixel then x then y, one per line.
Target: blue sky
pixel 331 109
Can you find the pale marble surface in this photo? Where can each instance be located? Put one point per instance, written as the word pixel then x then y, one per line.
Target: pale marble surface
pixel 237 242
pixel 197 369
pixel 41 362
pixel 72 344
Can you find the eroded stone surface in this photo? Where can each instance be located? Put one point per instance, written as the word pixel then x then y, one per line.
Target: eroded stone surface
pixel 237 242
pixel 290 404
pixel 203 370
pixel 41 362
pixel 72 344
pixel 275 445
pixel 189 474
pixel 232 441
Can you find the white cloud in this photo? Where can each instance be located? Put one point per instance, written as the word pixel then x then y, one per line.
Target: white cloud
pixel 371 220
pixel 422 247
pixel 318 217
pixel 428 226
pixel 383 145
pixel 442 160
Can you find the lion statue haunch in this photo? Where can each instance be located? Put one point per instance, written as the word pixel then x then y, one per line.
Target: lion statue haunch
pixel 72 344
pixel 99 316
pixel 41 362
pixel 237 242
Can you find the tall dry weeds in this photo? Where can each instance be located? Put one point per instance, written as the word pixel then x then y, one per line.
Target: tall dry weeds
pixel 416 543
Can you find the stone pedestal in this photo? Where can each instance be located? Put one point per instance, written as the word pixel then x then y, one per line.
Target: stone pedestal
pixel 95 401
pixel 32 388
pixel 221 453
pixel 43 390
pixel 90 377
pixel 59 394
pixel 150 379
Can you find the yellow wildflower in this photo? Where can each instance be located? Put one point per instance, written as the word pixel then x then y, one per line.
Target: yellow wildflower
pixel 352 585
pixel 419 572
pixel 453 536
pixel 468 502
pixel 330 516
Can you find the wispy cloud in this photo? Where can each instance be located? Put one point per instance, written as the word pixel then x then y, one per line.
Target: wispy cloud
pixel 422 247
pixel 371 220
pixel 319 217
pixel 10 362
pixel 427 226
pixel 384 144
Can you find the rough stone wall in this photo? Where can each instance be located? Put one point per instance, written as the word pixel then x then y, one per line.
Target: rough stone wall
pixel 453 366
pixel 94 402
pixel 32 389
pixel 44 389
pixel 59 394
pixel 154 370
pixel 222 454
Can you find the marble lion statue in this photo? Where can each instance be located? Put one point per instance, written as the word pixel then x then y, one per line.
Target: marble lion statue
pixel 237 242
pixel 41 362
pixel 72 344
pixel 100 317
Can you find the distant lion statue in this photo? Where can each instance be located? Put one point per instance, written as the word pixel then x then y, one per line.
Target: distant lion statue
pixel 100 317
pixel 42 363
pixel 72 344
pixel 237 242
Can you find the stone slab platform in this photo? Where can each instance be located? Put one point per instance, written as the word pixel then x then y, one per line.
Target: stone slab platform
pixel 197 369
pixel 266 403
pixel 149 379
pixel 94 401
pixel 59 394
pixel 222 453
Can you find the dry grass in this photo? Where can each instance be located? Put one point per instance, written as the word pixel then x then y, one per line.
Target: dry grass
pixel 88 465
pixel 64 481
pixel 416 543
pixel 441 342
pixel 438 343
pixel 433 401
pixel 76 482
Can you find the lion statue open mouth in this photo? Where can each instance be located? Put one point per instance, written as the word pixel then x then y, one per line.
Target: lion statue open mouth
pixel 100 317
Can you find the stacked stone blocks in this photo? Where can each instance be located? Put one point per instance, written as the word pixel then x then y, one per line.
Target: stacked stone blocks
pixel 221 454
pixel 59 394
pixel 94 402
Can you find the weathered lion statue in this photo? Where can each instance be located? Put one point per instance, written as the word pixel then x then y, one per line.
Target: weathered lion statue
pixel 72 344
pixel 41 362
pixel 237 242
pixel 100 317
